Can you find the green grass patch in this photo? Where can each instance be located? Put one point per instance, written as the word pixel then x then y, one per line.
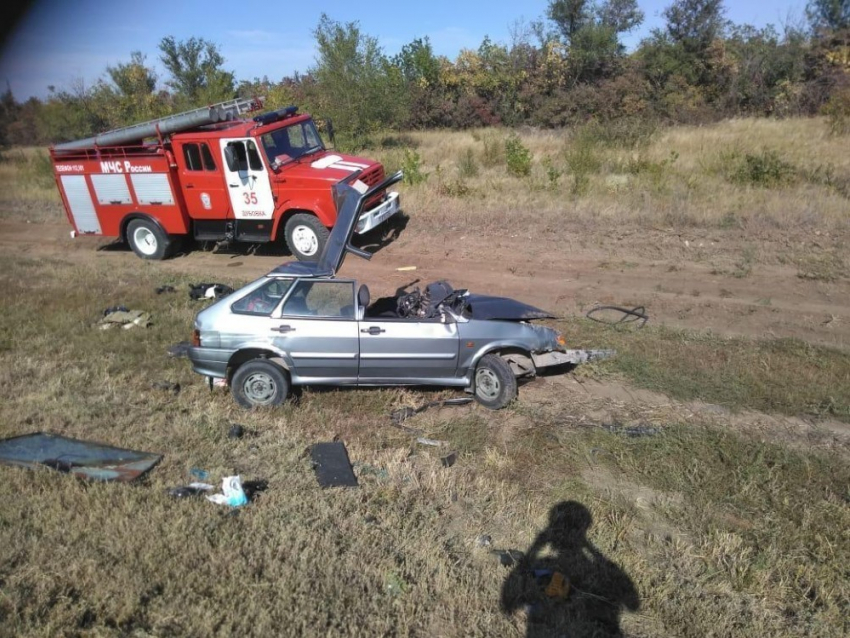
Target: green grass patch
pixel 787 376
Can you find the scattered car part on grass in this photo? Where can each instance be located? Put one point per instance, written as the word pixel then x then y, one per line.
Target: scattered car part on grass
pixel 111 309
pixel 86 459
pixel 198 473
pixel 231 493
pixel 209 291
pixel 302 325
pixel 402 414
pixel 126 319
pixel 165 288
pixel 508 557
pixel 193 489
pixel 179 349
pixel 166 385
pixel 449 460
pixel 432 442
pixel 484 540
pixel 332 465
pixel 237 431
pixel 636 315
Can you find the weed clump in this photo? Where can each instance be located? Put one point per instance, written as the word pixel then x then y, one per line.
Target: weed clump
pixel 517 156
pixel 451 188
pixel 467 166
pixel 553 173
pixel 765 169
pixel 837 111
pixel 583 161
pixel 411 164
pixel 493 154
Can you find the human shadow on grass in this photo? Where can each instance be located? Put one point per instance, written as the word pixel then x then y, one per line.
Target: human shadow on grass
pixel 566 586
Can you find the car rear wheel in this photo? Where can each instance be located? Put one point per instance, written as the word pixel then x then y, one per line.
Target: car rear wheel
pixel 258 384
pixel 148 240
pixel 495 383
pixel 306 236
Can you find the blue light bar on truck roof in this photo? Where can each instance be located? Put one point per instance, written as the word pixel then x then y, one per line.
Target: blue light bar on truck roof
pixel 274 116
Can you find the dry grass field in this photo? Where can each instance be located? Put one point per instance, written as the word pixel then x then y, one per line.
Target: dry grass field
pixel 711 455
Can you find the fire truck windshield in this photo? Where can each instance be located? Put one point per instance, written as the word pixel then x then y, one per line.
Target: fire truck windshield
pixel 291 142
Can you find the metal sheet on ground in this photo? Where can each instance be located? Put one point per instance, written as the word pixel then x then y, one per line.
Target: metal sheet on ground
pixel 86 459
pixel 332 465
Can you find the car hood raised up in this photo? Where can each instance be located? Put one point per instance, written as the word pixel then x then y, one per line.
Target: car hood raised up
pixel 504 309
pixel 349 204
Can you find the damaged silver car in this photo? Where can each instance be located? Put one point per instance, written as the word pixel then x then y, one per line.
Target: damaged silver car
pixel 301 324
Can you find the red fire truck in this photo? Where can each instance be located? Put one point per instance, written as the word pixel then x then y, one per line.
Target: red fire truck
pixel 213 175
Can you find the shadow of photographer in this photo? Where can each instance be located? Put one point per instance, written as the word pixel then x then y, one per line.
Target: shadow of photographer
pixel 566 586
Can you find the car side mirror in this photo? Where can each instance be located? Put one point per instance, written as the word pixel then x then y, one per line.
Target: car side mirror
pixel 230 158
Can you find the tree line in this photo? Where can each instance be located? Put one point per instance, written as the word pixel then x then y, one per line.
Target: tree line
pixel 568 67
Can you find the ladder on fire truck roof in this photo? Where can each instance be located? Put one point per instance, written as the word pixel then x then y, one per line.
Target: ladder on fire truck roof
pixel 221 112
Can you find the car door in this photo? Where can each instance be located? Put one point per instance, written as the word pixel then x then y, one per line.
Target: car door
pixel 203 184
pixel 247 180
pixel 316 327
pixel 407 351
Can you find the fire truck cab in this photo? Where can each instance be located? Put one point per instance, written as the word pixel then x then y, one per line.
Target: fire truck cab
pixel 215 176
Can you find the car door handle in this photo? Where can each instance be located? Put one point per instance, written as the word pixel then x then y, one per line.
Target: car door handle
pixel 190 186
pixel 372 330
pixel 283 329
pixel 233 185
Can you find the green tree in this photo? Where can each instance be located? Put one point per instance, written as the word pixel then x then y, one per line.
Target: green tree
pixel 695 24
pixel 8 114
pixel 195 66
pixel 592 33
pixel 569 16
pixel 358 86
pixel 130 95
pixel 418 63
pixel 831 15
pixel 71 114
pixel 620 15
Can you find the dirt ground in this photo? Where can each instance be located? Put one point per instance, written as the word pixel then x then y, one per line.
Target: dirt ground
pixel 651 268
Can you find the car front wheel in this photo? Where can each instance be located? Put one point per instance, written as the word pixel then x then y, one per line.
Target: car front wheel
pixel 259 383
pixel 495 383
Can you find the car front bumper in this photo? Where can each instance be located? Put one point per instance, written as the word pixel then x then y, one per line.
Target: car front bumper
pixel 378 215
pixel 558 358
pixel 210 362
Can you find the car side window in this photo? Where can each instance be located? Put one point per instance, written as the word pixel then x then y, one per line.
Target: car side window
pixel 326 299
pixel 262 300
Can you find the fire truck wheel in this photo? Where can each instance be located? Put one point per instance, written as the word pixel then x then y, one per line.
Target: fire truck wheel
pixel 305 236
pixel 147 240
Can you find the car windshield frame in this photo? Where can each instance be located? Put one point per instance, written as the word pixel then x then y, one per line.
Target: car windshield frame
pixel 278 143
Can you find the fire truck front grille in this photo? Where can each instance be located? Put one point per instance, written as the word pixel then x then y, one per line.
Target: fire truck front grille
pixel 372 176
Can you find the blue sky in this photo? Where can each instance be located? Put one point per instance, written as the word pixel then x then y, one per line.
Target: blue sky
pixel 60 43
